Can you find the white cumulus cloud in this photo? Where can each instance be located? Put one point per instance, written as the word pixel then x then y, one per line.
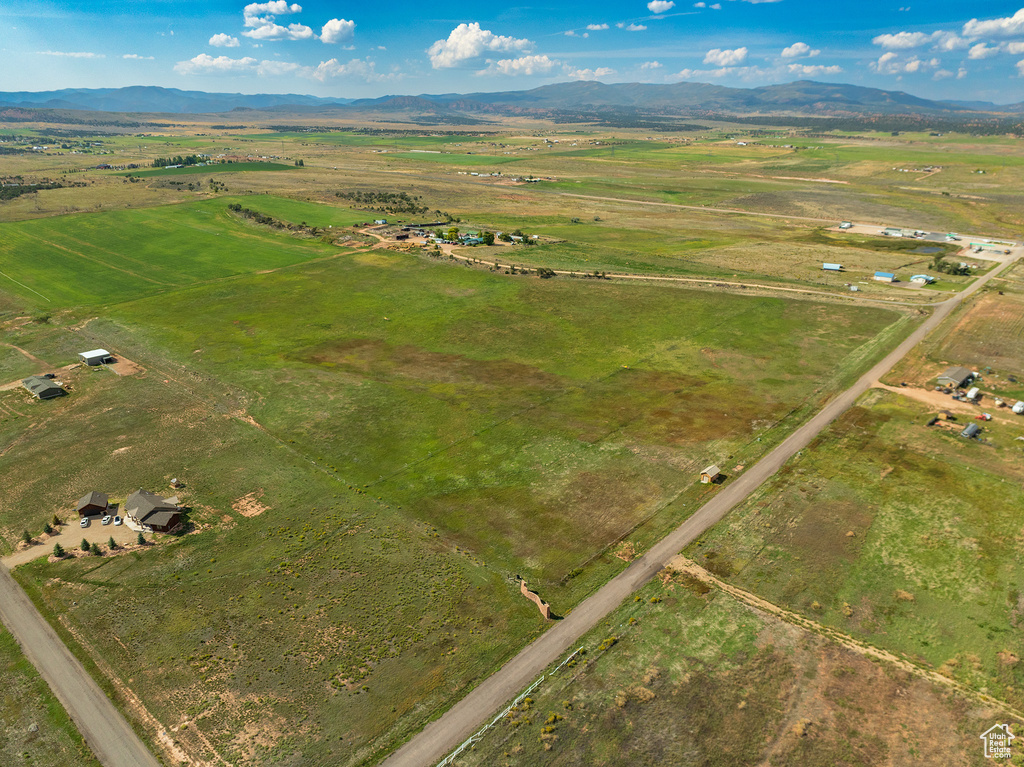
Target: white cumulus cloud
pixel 204 64
pixel 660 6
pixel 222 40
pixel 278 68
pixel 902 40
pixel 890 63
pixel 726 57
pixel 363 68
pixel 524 65
pixel 337 31
pixel 1004 27
pixel 596 27
pixel 469 41
pixel 137 57
pixel 271 31
pixel 982 51
pixel 631 27
pixel 651 65
pixel 799 50
pixel 260 21
pixel 813 70
pixel 589 74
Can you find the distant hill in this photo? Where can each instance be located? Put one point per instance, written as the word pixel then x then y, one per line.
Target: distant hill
pixel 803 97
pixel 143 98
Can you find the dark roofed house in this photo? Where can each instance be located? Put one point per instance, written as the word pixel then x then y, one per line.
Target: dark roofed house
pixel 147 509
pixel 956 377
pixel 93 503
pixel 43 388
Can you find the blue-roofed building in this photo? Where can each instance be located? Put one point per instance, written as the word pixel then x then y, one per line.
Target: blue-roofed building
pixel 885 277
pixel 922 279
pixel 832 267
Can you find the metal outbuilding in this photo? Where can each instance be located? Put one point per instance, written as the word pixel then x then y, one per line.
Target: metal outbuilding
pixel 885 277
pixel 972 431
pixel 96 357
pixel 832 267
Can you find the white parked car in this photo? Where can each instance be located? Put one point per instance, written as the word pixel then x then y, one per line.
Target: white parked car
pixel 107 519
pixel 117 521
pixel 84 522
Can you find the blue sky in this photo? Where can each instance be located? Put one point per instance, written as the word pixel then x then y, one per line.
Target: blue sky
pixel 936 49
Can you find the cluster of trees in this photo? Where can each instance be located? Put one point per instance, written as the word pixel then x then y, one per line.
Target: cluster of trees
pixel 94 548
pixel 941 265
pixel 15 187
pixel 262 218
pixel 191 159
pixel 388 202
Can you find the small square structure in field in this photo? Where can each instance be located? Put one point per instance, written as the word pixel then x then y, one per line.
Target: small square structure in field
pixel 709 475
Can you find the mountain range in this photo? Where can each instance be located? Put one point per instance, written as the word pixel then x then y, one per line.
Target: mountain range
pixel 803 97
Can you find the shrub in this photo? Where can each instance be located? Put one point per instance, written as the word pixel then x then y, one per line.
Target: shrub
pixel 58 551
pixel 47 529
pixel 95 550
pixel 112 544
pixel 26 536
pixel 141 540
pixel 85 545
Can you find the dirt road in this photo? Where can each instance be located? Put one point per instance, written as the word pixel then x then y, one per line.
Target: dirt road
pixel 105 731
pixel 459 722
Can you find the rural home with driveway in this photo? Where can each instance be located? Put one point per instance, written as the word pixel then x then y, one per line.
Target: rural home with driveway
pixel 146 511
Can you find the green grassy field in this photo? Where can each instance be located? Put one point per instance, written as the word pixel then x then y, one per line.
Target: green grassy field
pixel 696 678
pixel 374 443
pixel 34 728
pixel 900 534
pixel 493 406
pixel 101 258
pixel 297 611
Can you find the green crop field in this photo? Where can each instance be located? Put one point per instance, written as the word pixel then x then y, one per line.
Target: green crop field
pixel 100 258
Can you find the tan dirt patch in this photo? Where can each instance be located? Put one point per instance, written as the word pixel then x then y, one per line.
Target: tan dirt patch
pixel 249 505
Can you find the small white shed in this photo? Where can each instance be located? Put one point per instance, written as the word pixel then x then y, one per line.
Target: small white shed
pixel 96 357
pixel 709 475
pixel 973 392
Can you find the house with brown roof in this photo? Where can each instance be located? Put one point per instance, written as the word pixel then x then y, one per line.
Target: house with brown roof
pixel 147 510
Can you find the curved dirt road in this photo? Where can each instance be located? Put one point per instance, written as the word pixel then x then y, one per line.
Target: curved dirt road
pixel 105 731
pixel 444 734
